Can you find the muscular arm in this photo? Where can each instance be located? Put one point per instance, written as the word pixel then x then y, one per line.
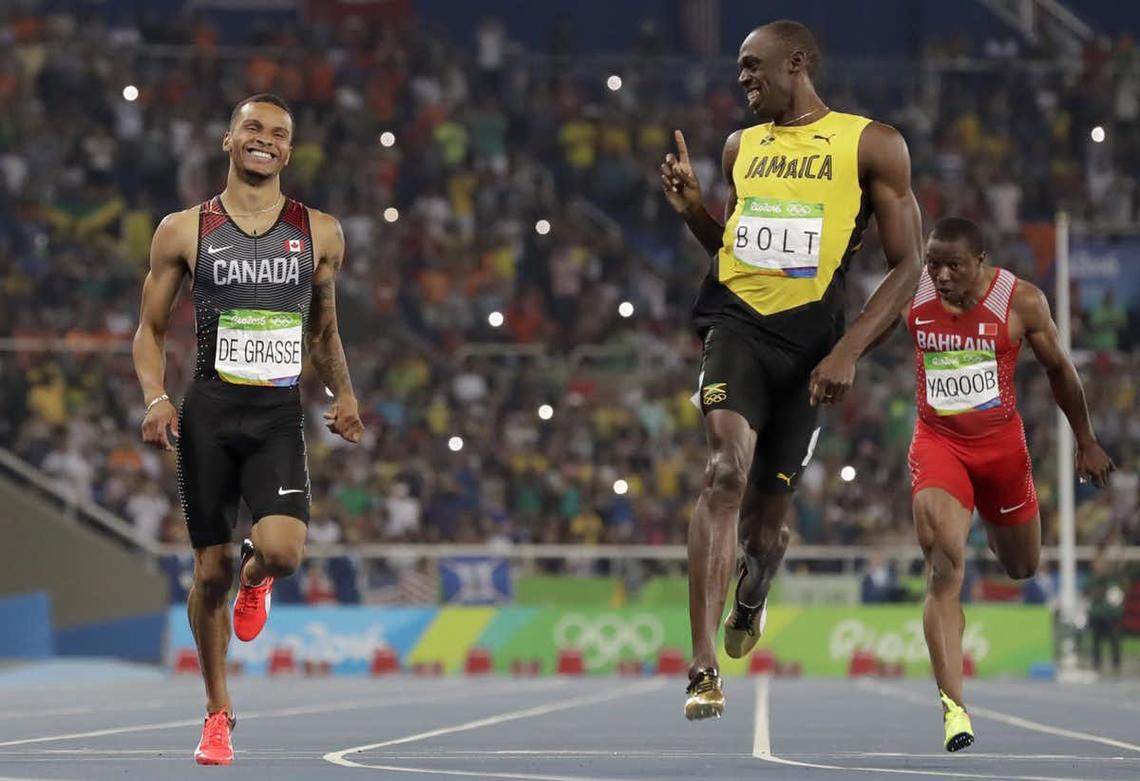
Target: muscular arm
pixel 1032 309
pixel 884 166
pixel 883 337
pixel 325 348
pixel 168 266
pixel 885 163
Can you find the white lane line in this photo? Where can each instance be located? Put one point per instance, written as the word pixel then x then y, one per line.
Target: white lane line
pixel 560 754
pixel 767 756
pixel 1005 718
pixel 761 742
pixel 117 752
pixel 907 772
pixel 340 757
pixel 483 774
pixel 983 755
pixel 448 693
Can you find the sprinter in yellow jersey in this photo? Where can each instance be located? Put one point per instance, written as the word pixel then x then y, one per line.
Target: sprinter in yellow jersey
pixel 804 184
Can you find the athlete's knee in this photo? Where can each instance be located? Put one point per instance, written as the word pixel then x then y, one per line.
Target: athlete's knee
pixel 725 478
pixel 280 562
pixel 212 580
pixel 1023 567
pixel 947 569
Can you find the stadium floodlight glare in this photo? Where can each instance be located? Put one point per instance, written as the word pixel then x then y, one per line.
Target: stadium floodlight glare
pixel 387 138
pixel 130 93
pixel 614 82
pixel 847 473
pixel 625 309
pixel 620 487
pixel 391 214
pixel 546 412
pixel 542 227
pixel 1097 134
pixel 455 443
pixel 495 319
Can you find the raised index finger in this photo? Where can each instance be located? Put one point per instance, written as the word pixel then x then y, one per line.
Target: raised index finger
pixel 682 149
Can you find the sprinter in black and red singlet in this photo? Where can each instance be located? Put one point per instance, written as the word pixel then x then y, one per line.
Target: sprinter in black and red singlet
pixel 263 273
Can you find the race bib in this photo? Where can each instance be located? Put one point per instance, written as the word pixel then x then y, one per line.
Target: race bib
pixel 961 381
pixel 779 237
pixel 259 347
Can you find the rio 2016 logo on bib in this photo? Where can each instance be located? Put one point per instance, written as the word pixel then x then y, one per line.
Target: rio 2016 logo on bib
pixel 779 237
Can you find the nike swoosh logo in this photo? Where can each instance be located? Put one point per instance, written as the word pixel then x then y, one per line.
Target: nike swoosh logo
pixel 215 250
pixel 283 491
pixel 922 322
pixel 1011 509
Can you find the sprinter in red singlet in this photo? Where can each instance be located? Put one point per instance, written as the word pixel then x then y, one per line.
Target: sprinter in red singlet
pixel 967 321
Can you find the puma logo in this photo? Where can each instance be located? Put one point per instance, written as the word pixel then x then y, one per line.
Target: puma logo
pixel 786 478
pixel 824 138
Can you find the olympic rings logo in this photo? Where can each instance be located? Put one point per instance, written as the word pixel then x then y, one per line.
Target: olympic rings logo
pixel 797 210
pixel 604 638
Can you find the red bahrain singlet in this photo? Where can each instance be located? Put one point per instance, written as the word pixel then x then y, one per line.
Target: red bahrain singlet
pixel 969 440
pixel 965 361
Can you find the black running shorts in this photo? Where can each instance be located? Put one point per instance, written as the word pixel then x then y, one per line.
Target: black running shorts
pixel 768 385
pixel 240 442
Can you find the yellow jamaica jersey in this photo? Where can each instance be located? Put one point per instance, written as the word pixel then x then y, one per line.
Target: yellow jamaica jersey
pixel 800 213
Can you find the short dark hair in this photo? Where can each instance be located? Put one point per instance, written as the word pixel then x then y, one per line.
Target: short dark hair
pixel 797 38
pixel 954 228
pixel 262 97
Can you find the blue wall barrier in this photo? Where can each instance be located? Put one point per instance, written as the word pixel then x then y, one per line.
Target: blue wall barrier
pixel 137 638
pixel 25 626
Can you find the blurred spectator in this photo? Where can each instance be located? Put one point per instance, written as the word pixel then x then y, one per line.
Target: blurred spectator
pixel 880 581
pixel 147 509
pixel 1103 323
pixel 1105 592
pixel 516 185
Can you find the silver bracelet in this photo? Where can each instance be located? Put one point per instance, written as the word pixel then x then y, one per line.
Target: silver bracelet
pixel 154 401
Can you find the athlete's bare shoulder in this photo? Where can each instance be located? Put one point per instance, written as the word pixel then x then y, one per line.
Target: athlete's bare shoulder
pixel 328 237
pixel 1030 305
pixel 731 151
pixel 181 221
pixel 176 237
pixel 882 151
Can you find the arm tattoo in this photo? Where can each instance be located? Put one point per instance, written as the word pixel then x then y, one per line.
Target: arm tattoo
pixel 325 347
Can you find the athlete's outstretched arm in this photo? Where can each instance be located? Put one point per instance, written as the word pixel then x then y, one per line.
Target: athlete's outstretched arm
pixel 884 163
pixel 683 191
pixel 1032 308
pixel 160 289
pixel 325 348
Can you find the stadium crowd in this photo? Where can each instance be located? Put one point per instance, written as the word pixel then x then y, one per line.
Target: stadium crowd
pixel 508 183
